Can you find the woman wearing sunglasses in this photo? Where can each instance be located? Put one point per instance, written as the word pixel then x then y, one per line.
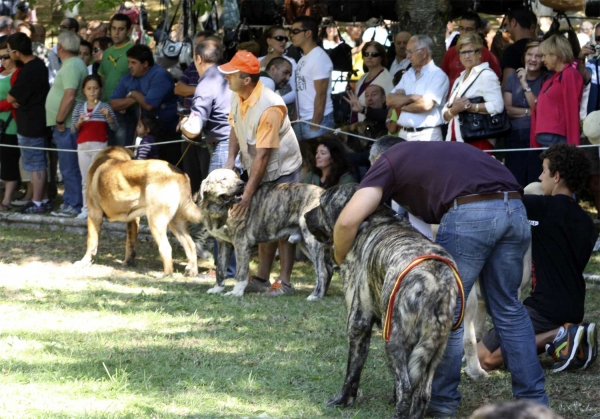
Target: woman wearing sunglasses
pixel 374 58
pixel 277 39
pixel 99 45
pixel 9 157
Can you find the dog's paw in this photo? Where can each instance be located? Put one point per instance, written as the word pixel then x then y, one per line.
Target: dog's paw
pixel 238 289
pixel 216 290
pixel 83 263
pixel 190 272
pixel 313 297
pixel 476 372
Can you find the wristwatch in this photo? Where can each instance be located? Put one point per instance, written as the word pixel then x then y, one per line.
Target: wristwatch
pixel 130 93
pixel 527 90
pixel 60 122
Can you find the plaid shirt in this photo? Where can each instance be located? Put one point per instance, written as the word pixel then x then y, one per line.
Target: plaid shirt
pixel 230 16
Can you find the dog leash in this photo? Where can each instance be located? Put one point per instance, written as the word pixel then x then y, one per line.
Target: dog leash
pixel 387 325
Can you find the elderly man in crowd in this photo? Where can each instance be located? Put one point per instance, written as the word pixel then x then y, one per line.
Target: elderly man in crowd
pixel 400 62
pixel 421 94
pixel 61 99
pixel 263 135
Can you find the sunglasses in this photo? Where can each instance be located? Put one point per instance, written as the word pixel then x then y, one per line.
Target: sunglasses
pixel 96 50
pixel 5 57
pixel 297 31
pixel 280 38
pixel 371 54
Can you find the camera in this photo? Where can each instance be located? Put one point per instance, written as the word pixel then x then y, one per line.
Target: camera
pixel 597 48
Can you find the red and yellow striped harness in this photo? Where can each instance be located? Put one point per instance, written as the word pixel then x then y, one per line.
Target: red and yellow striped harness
pixel 387 325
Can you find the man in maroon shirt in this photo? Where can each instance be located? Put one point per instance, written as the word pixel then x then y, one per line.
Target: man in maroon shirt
pixel 470 22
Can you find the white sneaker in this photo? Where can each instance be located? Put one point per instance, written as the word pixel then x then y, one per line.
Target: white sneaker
pixel 82 215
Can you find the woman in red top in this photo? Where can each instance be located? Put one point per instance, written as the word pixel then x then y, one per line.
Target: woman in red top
pixel 555 116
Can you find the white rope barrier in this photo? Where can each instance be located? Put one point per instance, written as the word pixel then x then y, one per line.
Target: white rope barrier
pixel 78 151
pixel 335 131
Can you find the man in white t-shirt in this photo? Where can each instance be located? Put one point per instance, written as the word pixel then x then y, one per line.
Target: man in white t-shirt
pixel 313 81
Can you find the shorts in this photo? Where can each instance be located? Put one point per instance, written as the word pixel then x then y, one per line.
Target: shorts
pixel 33 160
pixel 491 340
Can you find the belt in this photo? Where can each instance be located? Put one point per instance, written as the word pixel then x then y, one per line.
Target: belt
pixel 461 200
pixel 409 129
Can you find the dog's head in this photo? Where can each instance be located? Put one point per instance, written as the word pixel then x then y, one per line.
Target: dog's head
pixel 220 190
pixel 321 220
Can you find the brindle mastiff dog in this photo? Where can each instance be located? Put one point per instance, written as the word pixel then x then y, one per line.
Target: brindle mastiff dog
pixel 276 212
pixel 123 189
pixel 424 306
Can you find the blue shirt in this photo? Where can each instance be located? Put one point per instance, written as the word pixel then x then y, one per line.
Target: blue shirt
pixel 189 77
pixel 212 103
pixel 157 87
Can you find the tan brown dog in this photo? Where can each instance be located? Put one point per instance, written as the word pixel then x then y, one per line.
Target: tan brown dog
pixel 123 189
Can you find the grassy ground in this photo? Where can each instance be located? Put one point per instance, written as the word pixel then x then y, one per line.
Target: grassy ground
pixel 114 342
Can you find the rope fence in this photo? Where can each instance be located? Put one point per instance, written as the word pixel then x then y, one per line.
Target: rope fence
pixel 335 131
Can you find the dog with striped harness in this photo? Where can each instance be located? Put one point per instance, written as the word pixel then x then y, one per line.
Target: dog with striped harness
pixel 394 276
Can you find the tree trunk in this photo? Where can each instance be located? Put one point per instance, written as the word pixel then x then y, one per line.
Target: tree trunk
pixel 426 17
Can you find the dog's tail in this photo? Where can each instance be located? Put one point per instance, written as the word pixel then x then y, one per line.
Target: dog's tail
pixel 190 211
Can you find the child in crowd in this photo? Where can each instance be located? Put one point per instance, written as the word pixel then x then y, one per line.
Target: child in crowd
pixel 147 129
pixel 91 119
pixel 562 239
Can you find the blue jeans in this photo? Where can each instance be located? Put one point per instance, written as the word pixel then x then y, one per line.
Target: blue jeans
pixel 69 167
pixel 488 239
pixel 303 131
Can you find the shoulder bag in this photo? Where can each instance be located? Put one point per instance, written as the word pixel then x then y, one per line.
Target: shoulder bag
pixel 478 126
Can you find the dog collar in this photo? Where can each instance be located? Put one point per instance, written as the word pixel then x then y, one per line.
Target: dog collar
pixel 387 325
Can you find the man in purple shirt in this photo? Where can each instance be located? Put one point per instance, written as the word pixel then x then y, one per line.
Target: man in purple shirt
pixel 483 225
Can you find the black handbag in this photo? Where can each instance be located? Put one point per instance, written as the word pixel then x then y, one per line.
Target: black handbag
pixel 478 126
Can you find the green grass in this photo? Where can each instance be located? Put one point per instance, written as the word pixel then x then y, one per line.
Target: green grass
pixel 115 342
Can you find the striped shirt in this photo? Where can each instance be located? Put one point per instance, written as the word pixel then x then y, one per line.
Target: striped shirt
pixel 432 83
pixel 94 128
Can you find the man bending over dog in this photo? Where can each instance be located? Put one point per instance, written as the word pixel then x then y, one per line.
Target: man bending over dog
pixel 563 237
pixel 269 151
pixel 483 225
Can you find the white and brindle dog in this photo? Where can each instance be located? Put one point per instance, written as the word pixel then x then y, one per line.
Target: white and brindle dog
pixel 276 212
pixel 422 313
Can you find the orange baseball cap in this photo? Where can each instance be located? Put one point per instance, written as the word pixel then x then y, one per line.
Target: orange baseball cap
pixel 243 61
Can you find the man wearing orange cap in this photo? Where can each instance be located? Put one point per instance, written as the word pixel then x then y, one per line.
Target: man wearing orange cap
pixel 263 136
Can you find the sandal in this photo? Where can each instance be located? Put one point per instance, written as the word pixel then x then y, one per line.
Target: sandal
pixel 5 207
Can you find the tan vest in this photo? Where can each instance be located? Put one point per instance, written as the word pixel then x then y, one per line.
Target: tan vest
pixel 284 160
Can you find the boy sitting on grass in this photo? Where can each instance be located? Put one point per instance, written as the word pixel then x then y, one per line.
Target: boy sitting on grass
pixel 562 237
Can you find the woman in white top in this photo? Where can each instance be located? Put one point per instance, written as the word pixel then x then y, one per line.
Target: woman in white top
pixel 477 80
pixel 330 36
pixel 374 57
pixel 277 39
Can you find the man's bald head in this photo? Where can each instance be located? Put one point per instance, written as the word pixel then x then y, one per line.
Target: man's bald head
pixel 400 42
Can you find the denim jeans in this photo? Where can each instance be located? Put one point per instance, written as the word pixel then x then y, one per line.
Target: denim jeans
pixel 488 239
pixel 69 167
pixel 303 131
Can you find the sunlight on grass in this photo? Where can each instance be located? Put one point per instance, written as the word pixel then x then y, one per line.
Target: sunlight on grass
pixel 110 342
